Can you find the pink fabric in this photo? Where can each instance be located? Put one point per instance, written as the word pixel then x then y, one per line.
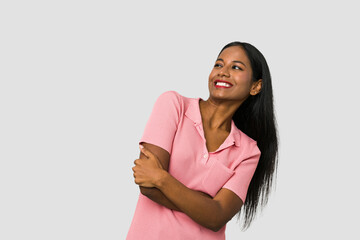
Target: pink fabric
pixel 175 125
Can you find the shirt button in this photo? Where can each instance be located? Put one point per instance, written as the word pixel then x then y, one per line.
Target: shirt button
pixel 205 155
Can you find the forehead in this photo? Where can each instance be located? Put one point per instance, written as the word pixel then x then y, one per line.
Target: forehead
pixel 234 53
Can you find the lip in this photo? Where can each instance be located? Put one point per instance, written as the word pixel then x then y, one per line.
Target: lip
pixel 218 80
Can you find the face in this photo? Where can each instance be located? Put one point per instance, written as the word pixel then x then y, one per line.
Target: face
pixel 231 77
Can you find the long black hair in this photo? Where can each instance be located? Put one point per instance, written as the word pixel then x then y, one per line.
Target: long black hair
pixel 255 117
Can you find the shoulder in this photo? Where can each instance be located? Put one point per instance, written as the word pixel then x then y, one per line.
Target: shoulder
pixel 175 99
pixel 247 144
pixel 172 102
pixel 170 96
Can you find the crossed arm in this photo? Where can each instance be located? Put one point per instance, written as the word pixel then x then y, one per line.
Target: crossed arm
pixel 150 173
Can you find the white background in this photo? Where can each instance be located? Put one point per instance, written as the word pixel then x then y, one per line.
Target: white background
pixel 79 79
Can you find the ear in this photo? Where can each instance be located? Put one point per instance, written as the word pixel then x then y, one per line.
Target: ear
pixel 256 87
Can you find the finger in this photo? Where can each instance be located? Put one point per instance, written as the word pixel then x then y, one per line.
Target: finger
pixel 136 181
pixel 146 151
pixel 143 151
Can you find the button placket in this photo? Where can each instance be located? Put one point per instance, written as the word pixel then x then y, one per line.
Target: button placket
pixel 205 156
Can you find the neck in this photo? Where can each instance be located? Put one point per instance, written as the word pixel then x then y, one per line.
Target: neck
pixel 218 115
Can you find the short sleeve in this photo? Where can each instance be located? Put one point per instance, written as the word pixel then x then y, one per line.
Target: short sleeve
pixel 161 127
pixel 240 180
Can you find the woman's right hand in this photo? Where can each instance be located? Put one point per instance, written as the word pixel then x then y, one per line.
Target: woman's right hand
pixel 148 170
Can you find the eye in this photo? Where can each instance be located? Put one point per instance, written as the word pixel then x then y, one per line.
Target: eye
pixel 217 65
pixel 237 67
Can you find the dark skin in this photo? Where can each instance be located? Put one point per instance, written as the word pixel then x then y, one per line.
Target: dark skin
pixel 150 170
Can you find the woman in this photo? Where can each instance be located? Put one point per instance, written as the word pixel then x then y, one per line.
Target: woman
pixel 201 161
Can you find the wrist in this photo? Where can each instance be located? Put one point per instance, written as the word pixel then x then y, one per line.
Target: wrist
pixel 161 178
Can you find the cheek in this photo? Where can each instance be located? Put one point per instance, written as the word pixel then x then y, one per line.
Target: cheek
pixel 244 79
pixel 247 85
pixel 244 83
pixel 213 73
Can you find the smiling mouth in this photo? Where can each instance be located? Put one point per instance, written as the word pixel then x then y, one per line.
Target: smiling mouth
pixel 222 84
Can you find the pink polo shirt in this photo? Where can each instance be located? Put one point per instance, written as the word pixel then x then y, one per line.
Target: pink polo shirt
pixel 175 125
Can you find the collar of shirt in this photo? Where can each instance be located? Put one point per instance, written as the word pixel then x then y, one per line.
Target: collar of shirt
pixel 193 113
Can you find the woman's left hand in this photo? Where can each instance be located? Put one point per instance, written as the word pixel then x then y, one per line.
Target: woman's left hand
pixel 147 171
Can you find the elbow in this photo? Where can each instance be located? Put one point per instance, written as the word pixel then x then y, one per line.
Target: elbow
pixel 216 220
pixel 216 224
pixel 216 227
pixel 148 192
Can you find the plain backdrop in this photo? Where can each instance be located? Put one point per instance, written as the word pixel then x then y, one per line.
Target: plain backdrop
pixel 79 79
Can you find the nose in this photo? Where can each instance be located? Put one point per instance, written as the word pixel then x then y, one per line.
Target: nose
pixel 224 71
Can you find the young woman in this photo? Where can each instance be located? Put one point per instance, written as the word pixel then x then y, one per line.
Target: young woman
pixel 201 161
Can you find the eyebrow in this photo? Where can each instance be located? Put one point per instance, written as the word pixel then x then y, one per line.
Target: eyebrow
pixel 236 61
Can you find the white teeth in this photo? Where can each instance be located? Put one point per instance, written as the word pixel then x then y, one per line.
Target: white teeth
pixel 223 84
